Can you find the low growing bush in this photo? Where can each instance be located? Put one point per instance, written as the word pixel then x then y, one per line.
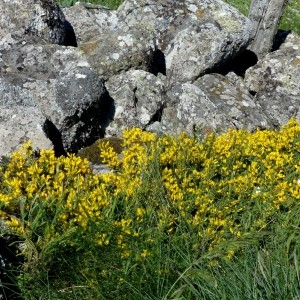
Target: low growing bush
pixel 171 209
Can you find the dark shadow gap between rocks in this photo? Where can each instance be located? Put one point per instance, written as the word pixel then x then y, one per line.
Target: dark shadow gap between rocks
pixel 239 64
pixel 279 39
pixel 70 39
pixel 10 263
pixel 157 63
pixel 55 137
pixel 89 127
pixel 156 117
pixel 94 122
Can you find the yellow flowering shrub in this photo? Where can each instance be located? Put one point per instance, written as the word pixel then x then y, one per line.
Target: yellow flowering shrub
pixel 224 187
pixel 44 196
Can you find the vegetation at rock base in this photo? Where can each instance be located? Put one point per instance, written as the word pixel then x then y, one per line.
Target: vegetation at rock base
pixel 91 153
pixel 203 217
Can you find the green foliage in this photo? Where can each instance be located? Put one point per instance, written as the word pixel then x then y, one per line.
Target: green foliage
pixel 91 153
pixel 177 218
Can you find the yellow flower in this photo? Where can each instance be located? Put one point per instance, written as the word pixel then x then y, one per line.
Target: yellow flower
pixel 15 225
pixel 230 254
pixel 144 253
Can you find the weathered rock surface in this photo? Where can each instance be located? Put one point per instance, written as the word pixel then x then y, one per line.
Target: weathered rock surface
pixel 59 83
pixel 151 64
pixel 90 21
pixel 275 82
pixel 182 39
pixel 19 124
pixel 20 119
pixel 265 16
pixel 211 103
pixel 41 18
pixel 138 98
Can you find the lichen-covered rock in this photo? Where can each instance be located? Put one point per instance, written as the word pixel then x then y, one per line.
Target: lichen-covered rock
pixel 211 103
pixel 138 100
pixel 20 120
pixel 42 18
pixel 109 45
pixel 181 39
pixel 59 82
pixel 119 50
pixel 187 109
pixel 234 101
pixel 275 82
pixel 90 21
pixel 195 36
pixel 19 124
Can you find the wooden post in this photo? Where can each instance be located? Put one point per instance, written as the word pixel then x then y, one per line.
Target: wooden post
pixel 265 15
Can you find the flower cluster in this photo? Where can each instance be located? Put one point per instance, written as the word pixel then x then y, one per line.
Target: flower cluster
pixel 222 188
pixel 62 190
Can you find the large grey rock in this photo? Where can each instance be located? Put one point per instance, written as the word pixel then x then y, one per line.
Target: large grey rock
pixel 138 99
pixel 59 83
pixel 234 102
pixel 109 45
pixel 211 102
pixel 90 21
pixel 20 120
pixel 41 18
pixel 182 39
pixel 211 34
pixel 275 81
pixel 20 123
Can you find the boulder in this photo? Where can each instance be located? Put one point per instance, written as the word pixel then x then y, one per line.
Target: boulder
pixel 138 99
pixel 234 102
pixel 274 81
pixel 20 123
pixel 42 18
pixel 109 45
pixel 20 119
pixel 181 39
pixel 90 21
pixel 67 96
pixel 211 103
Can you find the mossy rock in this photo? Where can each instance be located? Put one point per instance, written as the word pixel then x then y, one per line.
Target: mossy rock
pixel 92 153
